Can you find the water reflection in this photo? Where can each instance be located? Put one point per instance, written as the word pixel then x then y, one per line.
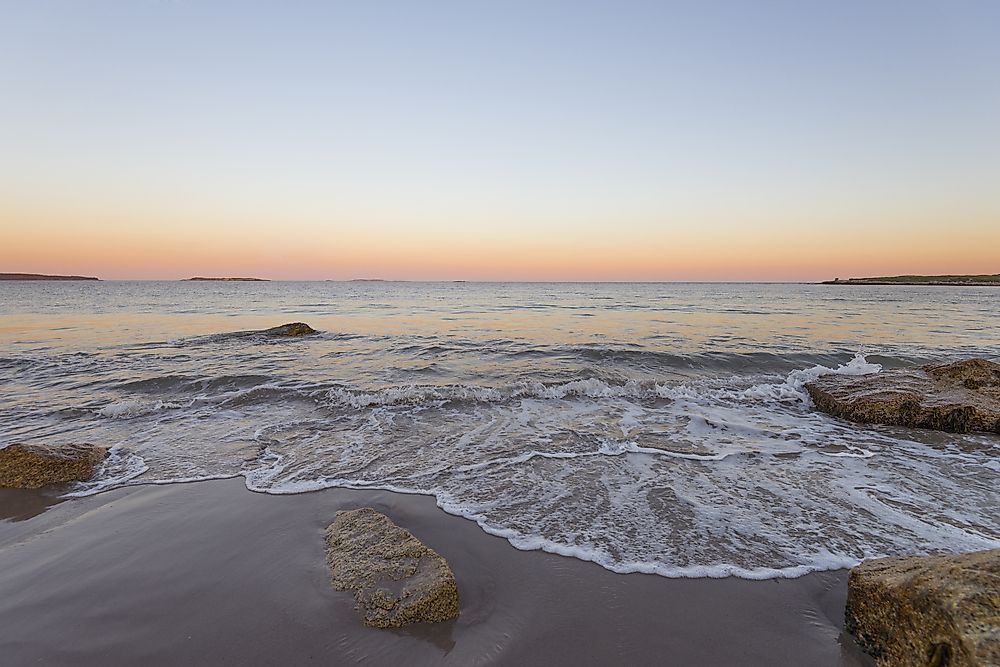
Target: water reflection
pixel 23 504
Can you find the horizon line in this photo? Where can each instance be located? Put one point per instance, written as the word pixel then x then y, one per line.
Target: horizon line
pixel 30 276
pixel 430 280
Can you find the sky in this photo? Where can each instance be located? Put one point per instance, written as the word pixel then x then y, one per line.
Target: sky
pixel 149 139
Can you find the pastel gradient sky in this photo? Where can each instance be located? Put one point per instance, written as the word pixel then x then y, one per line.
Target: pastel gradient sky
pixel 506 140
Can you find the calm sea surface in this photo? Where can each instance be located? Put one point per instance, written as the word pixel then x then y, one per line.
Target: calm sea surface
pixel 648 427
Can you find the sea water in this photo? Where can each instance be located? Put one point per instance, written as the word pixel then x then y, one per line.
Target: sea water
pixel 657 428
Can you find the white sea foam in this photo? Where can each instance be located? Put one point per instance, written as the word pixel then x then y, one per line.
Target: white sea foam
pixel 711 477
pixel 119 468
pixel 134 407
pixel 417 395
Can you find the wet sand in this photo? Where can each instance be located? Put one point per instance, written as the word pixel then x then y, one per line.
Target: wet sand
pixel 209 573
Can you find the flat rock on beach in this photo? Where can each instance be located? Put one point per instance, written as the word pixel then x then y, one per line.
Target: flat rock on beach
pixel 933 610
pixel 958 397
pixel 396 579
pixel 35 466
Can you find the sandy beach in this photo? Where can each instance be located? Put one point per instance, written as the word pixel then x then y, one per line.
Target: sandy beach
pixel 210 573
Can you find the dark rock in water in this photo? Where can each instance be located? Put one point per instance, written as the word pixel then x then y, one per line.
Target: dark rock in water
pixel 928 611
pixel 396 579
pixel 959 397
pixel 292 329
pixel 32 467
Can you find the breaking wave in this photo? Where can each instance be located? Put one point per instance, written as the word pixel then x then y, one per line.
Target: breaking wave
pixel 134 407
pixel 716 476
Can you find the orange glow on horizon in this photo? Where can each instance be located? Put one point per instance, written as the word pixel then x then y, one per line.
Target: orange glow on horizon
pixel 164 247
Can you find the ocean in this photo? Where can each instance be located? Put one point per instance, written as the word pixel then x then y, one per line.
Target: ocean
pixel 658 428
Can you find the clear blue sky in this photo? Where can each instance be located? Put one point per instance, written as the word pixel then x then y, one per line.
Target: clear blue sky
pixel 776 140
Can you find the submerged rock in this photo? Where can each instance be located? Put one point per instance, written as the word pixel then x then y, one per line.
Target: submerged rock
pixel 959 397
pixel 291 329
pixel 928 611
pixel 33 466
pixel 396 579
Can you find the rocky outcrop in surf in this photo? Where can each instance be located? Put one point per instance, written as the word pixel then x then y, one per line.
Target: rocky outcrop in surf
pixel 396 579
pixel 959 397
pixel 35 466
pixel 290 330
pixel 934 610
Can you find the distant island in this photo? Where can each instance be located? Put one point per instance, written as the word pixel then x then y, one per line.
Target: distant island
pixel 993 279
pixel 41 276
pixel 229 280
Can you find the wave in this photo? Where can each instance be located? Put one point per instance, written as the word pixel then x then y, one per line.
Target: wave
pixel 187 383
pixel 119 468
pixel 180 391
pixel 134 407
pixel 792 388
pixel 721 476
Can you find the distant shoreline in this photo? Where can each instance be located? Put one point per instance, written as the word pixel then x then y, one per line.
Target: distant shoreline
pixel 971 280
pixel 227 280
pixel 41 276
pixel 956 280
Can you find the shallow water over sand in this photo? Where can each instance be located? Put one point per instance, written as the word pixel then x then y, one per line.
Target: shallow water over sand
pixel 648 427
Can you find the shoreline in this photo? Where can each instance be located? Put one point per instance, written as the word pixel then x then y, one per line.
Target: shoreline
pixel 912 283
pixel 44 277
pixel 206 572
pixel 957 280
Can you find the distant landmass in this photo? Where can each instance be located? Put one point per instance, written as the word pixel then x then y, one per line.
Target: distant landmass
pixel 230 280
pixel 41 276
pixel 993 279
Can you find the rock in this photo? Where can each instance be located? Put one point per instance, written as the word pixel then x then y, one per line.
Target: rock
pixel 928 611
pixel 32 466
pixel 396 579
pixel 958 397
pixel 292 329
